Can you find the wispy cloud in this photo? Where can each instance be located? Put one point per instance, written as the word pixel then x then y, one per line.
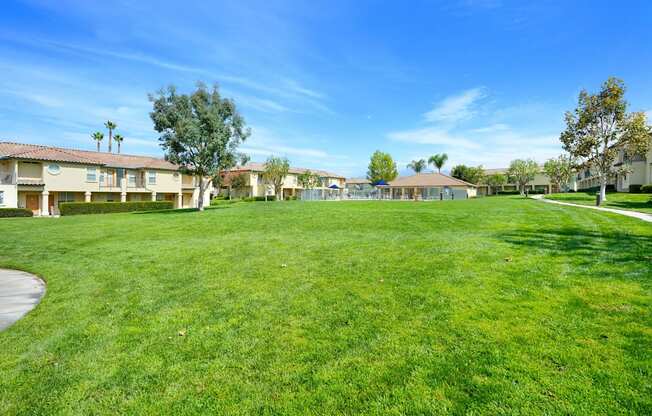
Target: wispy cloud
pixel 432 135
pixel 456 108
pixel 41 99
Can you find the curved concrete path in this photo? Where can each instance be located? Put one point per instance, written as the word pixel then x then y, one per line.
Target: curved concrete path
pixel 20 292
pixel 633 214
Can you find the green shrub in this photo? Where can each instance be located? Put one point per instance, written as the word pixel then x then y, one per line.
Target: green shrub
pixel 507 193
pixel 79 208
pixel 262 198
pixel 647 189
pixel 15 212
pixel 635 189
pixel 596 189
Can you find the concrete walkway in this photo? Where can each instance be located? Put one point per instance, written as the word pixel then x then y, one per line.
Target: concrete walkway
pixel 633 214
pixel 20 292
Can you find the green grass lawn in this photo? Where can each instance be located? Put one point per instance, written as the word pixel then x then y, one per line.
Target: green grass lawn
pixel 490 306
pixel 618 200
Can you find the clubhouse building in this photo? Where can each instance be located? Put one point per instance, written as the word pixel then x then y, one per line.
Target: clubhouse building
pixel 39 178
pixel 421 187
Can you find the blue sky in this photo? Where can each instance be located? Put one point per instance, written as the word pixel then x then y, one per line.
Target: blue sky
pixel 324 83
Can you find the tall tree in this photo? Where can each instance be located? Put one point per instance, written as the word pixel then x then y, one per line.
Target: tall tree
pixel 522 172
pixel 559 170
pixel 200 132
pixel 110 126
pixel 308 180
pixel 438 161
pixel 469 174
pixel 417 165
pixel 238 183
pixel 495 180
pixel 600 127
pixel 276 169
pixel 118 139
pixel 98 137
pixel 381 168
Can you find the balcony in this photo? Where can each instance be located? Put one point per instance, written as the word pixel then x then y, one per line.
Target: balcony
pixel 7 179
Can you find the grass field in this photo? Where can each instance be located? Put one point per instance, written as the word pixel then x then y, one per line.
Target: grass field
pixel 490 306
pixel 617 200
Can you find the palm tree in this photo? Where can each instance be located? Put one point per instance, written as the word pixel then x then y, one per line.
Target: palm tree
pixel 438 161
pixel 111 126
pixel 417 165
pixel 118 139
pixel 98 137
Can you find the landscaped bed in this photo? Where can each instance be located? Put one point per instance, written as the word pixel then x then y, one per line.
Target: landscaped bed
pixel 617 200
pixel 486 306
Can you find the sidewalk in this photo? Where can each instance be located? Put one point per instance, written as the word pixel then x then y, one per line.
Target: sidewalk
pixel 633 214
pixel 20 292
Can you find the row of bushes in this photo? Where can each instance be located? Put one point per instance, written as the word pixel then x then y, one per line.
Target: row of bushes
pixel 640 189
pixel 219 200
pixel 80 208
pixel 15 212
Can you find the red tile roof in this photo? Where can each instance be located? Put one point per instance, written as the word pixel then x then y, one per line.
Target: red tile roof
pixel 260 167
pixel 10 150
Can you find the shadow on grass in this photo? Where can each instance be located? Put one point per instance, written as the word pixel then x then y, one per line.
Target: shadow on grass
pixel 168 211
pixel 584 246
pixel 633 205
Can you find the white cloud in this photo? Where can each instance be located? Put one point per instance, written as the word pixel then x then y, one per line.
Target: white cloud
pixel 493 128
pixel 456 108
pixel 432 135
pixel 44 100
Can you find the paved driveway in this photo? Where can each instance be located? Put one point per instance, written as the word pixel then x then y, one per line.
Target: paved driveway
pixel 20 292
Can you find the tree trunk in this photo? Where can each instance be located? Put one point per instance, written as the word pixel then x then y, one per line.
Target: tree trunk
pixel 110 139
pixel 118 147
pixel 603 189
pixel 98 146
pixel 200 202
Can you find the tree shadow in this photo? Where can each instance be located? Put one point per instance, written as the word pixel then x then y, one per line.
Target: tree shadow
pixel 167 211
pixel 633 205
pixel 585 246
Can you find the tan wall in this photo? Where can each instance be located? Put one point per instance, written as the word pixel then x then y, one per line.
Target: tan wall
pixel 166 181
pixel 30 170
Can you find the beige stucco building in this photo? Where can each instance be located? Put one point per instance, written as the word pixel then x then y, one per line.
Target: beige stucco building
pixel 39 178
pixel 640 167
pixel 256 186
pixel 540 183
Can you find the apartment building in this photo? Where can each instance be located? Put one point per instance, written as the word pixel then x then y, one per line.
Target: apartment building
pixel 39 178
pixel 640 167
pixel 256 186
pixel 541 183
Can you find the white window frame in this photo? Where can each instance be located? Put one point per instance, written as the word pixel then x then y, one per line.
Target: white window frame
pixel 151 174
pixel 54 169
pixel 91 171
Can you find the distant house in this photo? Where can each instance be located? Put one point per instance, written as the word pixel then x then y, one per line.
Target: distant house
pixel 329 183
pixel 39 178
pixel 359 188
pixel 540 184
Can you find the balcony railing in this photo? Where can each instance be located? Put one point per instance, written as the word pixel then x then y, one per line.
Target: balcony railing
pixel 7 179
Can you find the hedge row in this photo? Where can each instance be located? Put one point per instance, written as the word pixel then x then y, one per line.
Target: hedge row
pixel 508 192
pixel 79 208
pixel 646 189
pixel 15 212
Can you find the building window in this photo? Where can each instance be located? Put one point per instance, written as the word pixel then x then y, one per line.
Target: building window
pixel 66 197
pixel 2 197
pixel 151 178
pixel 54 169
pixel 132 178
pixel 91 174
